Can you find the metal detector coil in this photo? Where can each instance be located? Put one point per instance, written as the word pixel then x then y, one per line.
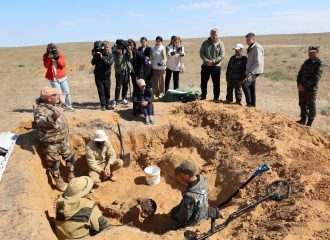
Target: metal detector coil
pixel 279 190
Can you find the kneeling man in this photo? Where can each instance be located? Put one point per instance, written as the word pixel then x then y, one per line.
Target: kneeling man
pixel 193 207
pixel 101 158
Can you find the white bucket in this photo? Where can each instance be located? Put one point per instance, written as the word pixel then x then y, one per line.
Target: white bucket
pixel 152 175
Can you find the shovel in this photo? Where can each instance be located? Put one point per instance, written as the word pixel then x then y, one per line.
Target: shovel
pixel 125 156
pixel 261 169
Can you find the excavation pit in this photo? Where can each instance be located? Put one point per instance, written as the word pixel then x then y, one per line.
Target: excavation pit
pixel 227 144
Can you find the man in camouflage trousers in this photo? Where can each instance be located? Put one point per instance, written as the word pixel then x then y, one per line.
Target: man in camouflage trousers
pixel 307 82
pixel 193 207
pixel 77 216
pixel 236 74
pixel 53 134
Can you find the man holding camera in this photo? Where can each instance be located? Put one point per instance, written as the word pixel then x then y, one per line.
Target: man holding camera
pixel 54 61
pixel 123 57
pixel 102 60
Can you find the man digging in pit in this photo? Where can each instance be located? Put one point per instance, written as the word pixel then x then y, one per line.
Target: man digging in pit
pixel 53 134
pixel 193 207
pixel 101 158
pixel 77 216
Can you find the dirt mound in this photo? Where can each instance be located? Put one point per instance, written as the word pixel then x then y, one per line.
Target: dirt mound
pixel 226 142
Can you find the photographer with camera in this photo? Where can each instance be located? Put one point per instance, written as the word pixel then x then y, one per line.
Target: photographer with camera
pixel 123 57
pixel 54 61
pixel 102 60
pixel 175 53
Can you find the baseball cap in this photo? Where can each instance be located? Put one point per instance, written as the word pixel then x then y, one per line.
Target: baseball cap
pixel 141 82
pixel 238 46
pixel 187 168
pixel 313 48
pixel 48 91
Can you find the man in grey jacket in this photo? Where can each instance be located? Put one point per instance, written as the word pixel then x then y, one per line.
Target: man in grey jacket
pixel 254 67
pixel 211 52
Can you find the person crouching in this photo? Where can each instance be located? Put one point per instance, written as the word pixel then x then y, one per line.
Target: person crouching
pixel 144 99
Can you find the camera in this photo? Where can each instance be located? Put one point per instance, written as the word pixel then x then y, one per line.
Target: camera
pixel 179 49
pixel 55 53
pixel 98 47
pixel 122 43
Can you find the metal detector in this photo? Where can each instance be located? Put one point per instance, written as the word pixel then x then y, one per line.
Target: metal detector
pixel 277 191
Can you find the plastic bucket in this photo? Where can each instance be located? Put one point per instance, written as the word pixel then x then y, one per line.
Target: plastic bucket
pixel 152 175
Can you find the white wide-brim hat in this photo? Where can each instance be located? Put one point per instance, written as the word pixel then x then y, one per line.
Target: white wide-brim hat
pixel 100 136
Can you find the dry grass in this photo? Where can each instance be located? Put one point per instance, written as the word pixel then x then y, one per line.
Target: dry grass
pixel 22 73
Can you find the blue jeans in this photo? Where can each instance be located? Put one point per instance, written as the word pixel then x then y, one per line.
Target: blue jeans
pixel 64 87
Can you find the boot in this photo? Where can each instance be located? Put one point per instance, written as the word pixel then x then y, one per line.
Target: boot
pixel 60 184
pixel 71 176
pixel 309 123
pixel 302 121
pixel 113 178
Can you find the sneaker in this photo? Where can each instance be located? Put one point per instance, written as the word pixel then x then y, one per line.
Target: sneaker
pixel 108 107
pixel 60 184
pixel 125 102
pixel 114 104
pixel 152 119
pixel 69 109
pixel 147 121
pixel 103 108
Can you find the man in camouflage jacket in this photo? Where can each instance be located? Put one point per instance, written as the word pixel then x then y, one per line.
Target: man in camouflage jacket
pixel 307 82
pixel 193 207
pixel 53 134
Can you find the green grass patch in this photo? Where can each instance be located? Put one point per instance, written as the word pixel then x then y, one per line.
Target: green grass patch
pixel 277 76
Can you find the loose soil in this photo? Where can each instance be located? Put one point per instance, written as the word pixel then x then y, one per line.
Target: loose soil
pixel 226 142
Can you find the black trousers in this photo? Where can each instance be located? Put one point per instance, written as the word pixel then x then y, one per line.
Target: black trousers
pixel 214 71
pixel 168 76
pixel 231 85
pixel 249 89
pixel 307 103
pixel 122 80
pixel 103 89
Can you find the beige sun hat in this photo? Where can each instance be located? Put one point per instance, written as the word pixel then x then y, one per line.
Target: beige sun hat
pixel 100 136
pixel 78 187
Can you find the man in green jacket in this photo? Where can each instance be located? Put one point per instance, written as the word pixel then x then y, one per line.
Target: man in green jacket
pixel 77 216
pixel 212 52
pixel 307 82
pixel 101 158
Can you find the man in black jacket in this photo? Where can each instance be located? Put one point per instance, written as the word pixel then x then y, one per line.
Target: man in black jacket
pixel 102 60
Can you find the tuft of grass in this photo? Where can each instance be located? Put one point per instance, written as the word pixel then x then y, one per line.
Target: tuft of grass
pixel 325 111
pixel 20 65
pixel 277 76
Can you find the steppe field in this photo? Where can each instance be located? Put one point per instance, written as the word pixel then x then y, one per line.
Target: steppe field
pixel 227 143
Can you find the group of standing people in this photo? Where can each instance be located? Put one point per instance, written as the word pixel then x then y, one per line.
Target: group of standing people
pixel 241 71
pixel 156 66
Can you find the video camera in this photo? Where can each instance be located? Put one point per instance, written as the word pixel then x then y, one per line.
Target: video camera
pixel 122 43
pixel 98 47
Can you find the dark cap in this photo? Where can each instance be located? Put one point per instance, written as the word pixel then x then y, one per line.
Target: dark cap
pixel 250 34
pixel 187 168
pixel 313 48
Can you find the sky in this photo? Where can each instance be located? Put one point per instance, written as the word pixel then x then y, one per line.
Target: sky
pixel 36 22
